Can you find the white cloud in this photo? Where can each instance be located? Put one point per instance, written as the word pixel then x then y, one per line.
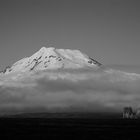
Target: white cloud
pixel 72 89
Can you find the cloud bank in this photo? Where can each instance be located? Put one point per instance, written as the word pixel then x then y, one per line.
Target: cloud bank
pixel 70 90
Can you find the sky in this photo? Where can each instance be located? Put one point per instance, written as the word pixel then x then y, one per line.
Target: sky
pixel 107 30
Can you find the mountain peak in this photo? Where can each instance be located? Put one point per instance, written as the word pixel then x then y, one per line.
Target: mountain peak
pixel 43 51
pixel 52 58
pixel 46 49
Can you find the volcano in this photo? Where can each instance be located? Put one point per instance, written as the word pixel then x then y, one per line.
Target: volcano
pixel 52 59
pixel 64 80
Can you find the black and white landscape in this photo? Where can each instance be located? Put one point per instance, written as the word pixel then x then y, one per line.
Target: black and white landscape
pixel 62 88
pixel 70 68
pixel 64 80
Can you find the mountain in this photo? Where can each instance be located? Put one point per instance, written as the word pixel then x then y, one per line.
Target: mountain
pixel 52 58
pixel 64 80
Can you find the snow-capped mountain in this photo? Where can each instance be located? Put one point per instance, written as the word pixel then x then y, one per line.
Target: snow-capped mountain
pixel 63 80
pixel 51 58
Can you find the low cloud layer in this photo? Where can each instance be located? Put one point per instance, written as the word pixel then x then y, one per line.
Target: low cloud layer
pixel 102 90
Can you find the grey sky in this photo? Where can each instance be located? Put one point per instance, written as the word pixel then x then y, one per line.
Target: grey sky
pixel 107 30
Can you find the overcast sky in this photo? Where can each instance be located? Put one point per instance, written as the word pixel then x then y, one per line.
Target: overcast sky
pixel 107 30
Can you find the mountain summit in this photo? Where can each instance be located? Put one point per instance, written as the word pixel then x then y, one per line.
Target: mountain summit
pixel 52 58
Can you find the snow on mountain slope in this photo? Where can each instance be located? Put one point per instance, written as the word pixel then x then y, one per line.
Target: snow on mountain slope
pixel 51 58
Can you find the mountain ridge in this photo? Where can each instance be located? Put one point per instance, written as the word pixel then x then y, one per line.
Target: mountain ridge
pixel 52 58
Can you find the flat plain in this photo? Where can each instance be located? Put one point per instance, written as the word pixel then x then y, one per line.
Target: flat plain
pixel 67 125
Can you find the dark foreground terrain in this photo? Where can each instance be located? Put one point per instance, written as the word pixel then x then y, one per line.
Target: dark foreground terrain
pixel 60 126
